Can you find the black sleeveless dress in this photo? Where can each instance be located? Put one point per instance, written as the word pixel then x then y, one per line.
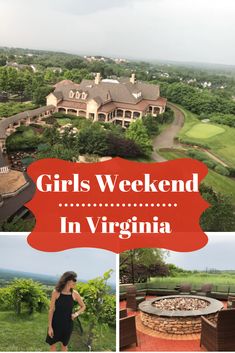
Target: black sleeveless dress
pixel 62 322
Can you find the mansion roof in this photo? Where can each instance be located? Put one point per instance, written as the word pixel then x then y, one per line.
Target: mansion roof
pixel 107 93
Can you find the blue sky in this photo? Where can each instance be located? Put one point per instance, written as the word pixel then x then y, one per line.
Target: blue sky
pixel 16 254
pixel 181 30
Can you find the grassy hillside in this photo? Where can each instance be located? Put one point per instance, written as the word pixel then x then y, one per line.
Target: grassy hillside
pixel 28 333
pixel 219 138
pixel 218 182
pixel 198 279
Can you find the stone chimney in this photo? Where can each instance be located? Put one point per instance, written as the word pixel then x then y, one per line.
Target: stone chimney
pixel 97 78
pixel 132 79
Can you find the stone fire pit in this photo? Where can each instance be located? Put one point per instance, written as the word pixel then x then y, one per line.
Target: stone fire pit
pixel 178 314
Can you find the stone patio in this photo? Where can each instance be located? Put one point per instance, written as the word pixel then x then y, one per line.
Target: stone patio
pixel 153 341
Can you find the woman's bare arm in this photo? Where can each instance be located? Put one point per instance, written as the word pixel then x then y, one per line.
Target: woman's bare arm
pixel 81 303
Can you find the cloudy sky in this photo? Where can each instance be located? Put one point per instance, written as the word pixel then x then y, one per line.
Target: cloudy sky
pixel 217 254
pixel 16 254
pixel 181 30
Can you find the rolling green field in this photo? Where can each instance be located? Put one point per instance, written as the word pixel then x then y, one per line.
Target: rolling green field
pixel 198 279
pixel 219 138
pixel 28 333
pixel 218 182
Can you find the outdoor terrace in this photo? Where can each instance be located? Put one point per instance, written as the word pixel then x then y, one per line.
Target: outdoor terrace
pixel 152 341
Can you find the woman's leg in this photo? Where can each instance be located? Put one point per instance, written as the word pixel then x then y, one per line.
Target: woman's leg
pixel 64 348
pixel 52 348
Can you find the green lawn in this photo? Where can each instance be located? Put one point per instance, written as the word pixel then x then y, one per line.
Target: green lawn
pixel 218 182
pixel 28 333
pixel 219 138
pixel 63 121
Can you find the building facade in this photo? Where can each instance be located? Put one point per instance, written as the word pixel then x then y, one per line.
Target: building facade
pixel 118 101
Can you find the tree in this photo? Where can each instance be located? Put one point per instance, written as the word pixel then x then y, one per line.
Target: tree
pixel 51 135
pixel 122 147
pixel 137 132
pixel 30 293
pixel 151 124
pixel 92 140
pixel 57 151
pixel 140 264
pixel 220 216
pixel 100 306
pixel 40 93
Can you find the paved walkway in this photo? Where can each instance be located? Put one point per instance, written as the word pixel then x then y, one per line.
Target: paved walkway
pixel 167 138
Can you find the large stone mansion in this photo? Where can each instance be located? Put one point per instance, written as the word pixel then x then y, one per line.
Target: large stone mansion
pixel 119 101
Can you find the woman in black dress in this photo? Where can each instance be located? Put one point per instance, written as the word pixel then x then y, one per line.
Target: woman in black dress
pixel 61 314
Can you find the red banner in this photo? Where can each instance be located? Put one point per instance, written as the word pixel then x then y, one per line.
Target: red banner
pixel 117 205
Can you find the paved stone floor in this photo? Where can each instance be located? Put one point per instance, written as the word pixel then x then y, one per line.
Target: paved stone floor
pixel 149 341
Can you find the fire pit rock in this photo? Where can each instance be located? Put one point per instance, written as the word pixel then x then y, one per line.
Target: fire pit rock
pixel 178 314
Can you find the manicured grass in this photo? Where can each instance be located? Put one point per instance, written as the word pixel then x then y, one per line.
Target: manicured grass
pixel 28 333
pixel 204 131
pixel 221 183
pixel 63 121
pixel 173 154
pixel 24 333
pixel 218 182
pixel 222 144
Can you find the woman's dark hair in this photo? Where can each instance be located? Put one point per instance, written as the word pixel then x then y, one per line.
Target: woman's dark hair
pixel 67 276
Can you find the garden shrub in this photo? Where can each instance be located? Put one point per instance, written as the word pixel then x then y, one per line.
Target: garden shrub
pixel 100 306
pixel 193 143
pixel 6 299
pixel 209 163
pixel 221 170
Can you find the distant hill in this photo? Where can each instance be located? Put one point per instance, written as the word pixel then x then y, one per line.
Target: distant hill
pixel 8 275
pixel 11 274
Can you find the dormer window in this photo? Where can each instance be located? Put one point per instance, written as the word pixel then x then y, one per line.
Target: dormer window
pixel 137 95
pixel 71 94
pixel 78 95
pixel 84 95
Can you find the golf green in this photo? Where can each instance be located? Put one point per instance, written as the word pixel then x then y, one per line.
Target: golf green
pixel 204 131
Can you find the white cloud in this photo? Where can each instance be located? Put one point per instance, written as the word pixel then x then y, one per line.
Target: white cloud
pixel 182 30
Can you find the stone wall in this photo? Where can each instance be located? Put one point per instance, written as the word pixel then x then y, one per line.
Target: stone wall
pixel 175 325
